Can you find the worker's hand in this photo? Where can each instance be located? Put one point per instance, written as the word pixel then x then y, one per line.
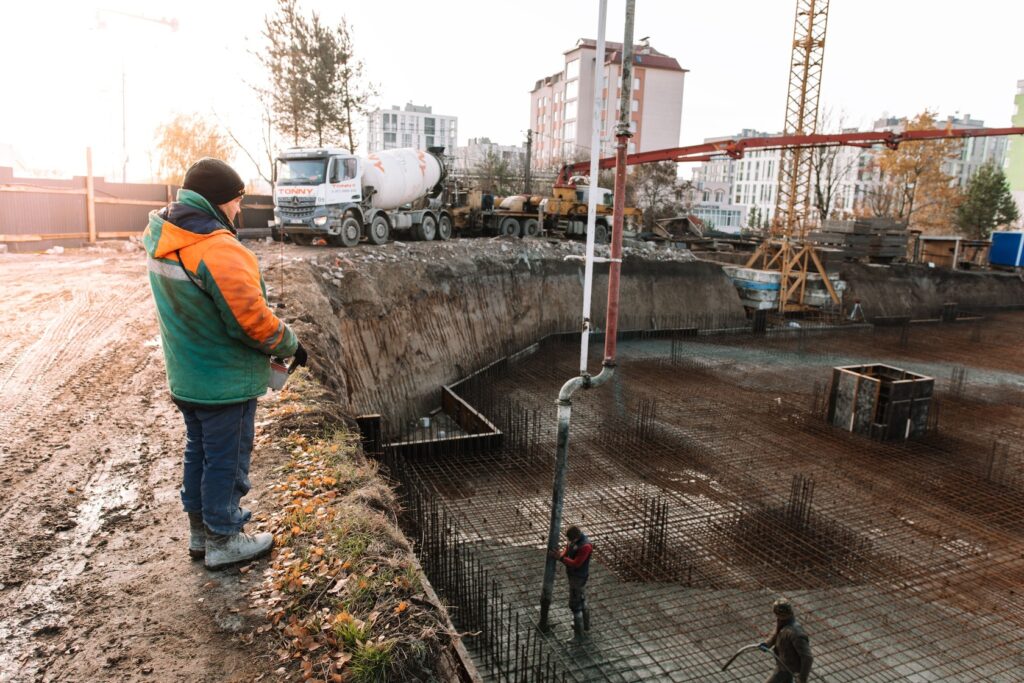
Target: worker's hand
pixel 555 554
pixel 299 358
pixel 763 647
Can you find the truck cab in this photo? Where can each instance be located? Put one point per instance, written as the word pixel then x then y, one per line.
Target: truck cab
pixel 315 188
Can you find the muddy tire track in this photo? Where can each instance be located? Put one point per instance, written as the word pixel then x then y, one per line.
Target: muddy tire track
pixel 95 583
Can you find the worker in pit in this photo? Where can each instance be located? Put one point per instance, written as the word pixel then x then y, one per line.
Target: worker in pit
pixel 218 336
pixel 791 645
pixel 576 558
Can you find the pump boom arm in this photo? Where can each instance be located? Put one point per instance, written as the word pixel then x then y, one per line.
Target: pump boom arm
pixel 735 149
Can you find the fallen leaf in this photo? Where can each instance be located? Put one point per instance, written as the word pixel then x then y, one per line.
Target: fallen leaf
pixel 402 606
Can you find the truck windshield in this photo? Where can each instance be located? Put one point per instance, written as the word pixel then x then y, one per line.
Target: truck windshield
pixel 301 171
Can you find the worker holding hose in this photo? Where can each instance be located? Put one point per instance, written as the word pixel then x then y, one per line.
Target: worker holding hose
pixel 576 558
pixel 791 645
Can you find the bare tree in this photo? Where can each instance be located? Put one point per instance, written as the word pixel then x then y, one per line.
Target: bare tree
pixel 656 190
pixel 183 140
pixel 828 170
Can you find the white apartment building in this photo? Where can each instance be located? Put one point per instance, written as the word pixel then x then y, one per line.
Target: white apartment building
pixel 562 104
pixel 471 155
pixel 410 126
pixel 752 182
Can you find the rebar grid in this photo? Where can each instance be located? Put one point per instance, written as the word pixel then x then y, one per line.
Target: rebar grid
pixel 693 473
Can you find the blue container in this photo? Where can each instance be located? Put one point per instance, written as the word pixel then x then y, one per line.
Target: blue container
pixel 1007 249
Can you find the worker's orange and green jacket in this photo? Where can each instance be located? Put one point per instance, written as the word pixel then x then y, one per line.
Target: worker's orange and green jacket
pixel 218 331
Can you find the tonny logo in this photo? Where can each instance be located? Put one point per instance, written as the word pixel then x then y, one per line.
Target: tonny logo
pixel 304 191
pixel 423 164
pixel 377 162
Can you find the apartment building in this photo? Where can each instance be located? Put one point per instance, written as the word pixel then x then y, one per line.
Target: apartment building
pixel 1015 153
pixel 410 126
pixel 751 183
pixel 562 104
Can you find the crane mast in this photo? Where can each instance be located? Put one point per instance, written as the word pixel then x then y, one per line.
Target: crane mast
pixel 793 198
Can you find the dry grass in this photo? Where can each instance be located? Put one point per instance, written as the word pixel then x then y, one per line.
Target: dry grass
pixel 343 599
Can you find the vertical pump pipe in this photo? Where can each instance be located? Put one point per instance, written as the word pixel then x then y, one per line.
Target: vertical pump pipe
pixel 622 135
pixel 595 155
pixel 584 380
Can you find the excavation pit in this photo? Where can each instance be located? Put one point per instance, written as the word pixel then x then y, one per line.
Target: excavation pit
pixel 906 562
pixel 710 481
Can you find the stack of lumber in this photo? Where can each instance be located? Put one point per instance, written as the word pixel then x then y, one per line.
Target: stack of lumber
pixel 873 239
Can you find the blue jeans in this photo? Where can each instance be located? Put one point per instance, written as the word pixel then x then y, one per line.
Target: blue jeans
pixel 218 443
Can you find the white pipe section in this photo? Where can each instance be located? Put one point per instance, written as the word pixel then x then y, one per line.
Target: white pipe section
pixel 595 153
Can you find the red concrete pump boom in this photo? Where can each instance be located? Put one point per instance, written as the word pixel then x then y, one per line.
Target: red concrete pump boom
pixel 736 148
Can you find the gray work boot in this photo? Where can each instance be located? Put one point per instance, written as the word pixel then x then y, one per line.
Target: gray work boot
pixel 222 551
pixel 196 536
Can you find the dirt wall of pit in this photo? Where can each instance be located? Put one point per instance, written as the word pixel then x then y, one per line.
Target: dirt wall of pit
pixel 919 291
pixel 388 334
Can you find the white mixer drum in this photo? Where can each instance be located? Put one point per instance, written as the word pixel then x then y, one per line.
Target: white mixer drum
pixel 400 176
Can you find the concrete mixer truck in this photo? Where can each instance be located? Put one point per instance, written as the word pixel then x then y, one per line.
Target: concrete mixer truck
pixel 332 195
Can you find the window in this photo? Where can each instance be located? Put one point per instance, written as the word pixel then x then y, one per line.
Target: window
pixel 636 105
pixel 570 110
pixel 390 137
pixel 572 69
pixel 572 89
pixel 343 169
pixel 636 84
pixel 569 131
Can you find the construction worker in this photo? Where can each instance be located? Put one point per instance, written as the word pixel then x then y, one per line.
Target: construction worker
pixel 218 336
pixel 576 558
pixel 791 645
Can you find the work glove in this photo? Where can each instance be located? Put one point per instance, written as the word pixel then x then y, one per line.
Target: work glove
pixel 763 647
pixel 299 358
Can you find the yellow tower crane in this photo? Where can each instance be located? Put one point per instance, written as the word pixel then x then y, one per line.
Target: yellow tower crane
pixel 785 249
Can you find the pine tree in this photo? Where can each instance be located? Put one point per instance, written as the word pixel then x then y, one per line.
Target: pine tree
pixel 988 203
pixel 286 58
pixel 316 86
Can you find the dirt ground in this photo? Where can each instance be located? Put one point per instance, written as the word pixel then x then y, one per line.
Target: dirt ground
pixel 95 580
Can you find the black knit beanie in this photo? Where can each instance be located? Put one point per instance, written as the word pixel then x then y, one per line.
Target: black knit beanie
pixel 213 179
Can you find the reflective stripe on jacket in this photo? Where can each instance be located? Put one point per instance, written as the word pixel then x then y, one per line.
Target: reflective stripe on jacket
pixel 217 330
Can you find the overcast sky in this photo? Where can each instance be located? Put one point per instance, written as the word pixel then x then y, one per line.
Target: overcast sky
pixel 60 74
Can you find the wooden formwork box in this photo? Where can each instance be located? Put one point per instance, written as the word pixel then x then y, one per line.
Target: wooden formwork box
pixel 880 401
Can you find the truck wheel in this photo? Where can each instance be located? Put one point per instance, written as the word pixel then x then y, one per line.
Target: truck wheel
pixel 531 228
pixel 379 230
pixel 351 230
pixel 426 230
pixel 510 227
pixel 444 228
pixel 301 239
pixel 600 233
